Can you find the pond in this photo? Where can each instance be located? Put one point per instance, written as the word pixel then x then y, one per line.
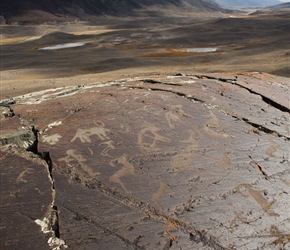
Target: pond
pixel 201 50
pixel 63 46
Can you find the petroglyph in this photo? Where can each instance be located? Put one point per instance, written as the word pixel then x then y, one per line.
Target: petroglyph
pixel 258 197
pixel 287 128
pixel 195 134
pixel 51 139
pixel 74 156
pixel 238 217
pixel 224 161
pixel 171 116
pixel 272 148
pixel 213 127
pixel 85 134
pixel 91 151
pixel 152 109
pixel 149 137
pixel 175 114
pixel 156 196
pixel 184 159
pixel 109 147
pixel 20 178
pixel 146 94
pixel 127 169
pixel 180 176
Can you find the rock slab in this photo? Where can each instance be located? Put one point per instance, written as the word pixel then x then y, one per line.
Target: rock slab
pixel 164 162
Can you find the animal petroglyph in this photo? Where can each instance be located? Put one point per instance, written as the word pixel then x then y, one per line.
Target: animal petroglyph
pixel 149 136
pixel 52 139
pixel 109 147
pixel 127 169
pixel 184 159
pixel 74 156
pixel 258 197
pixel 175 114
pixel 222 161
pixel 85 134
pixel 213 127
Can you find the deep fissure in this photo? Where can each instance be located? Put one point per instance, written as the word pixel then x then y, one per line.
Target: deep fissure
pixel 264 98
pixel 234 82
pixel 53 219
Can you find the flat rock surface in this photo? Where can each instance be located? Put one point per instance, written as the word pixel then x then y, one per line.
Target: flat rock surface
pixel 162 162
pixel 25 197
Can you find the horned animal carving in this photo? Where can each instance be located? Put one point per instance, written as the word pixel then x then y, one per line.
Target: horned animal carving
pixel 85 134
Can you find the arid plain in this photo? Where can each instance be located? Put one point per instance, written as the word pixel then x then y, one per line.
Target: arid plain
pixel 120 47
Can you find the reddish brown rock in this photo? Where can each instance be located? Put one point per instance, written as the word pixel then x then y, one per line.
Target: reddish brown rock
pixel 181 162
pixel 26 195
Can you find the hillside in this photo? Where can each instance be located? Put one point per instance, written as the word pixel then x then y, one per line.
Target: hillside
pixel 33 11
pixel 247 3
pixel 281 6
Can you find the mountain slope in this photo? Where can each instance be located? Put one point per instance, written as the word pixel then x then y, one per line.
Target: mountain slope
pixel 247 3
pixel 41 11
pixel 281 6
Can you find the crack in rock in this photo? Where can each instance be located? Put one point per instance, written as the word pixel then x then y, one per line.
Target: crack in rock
pixel 263 129
pixel 7 102
pixel 26 139
pixel 189 97
pixel 50 223
pixel 234 82
pixel 264 98
pixel 198 236
pixel 151 81
pixel 7 111
pixel 209 106
pixel 107 230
